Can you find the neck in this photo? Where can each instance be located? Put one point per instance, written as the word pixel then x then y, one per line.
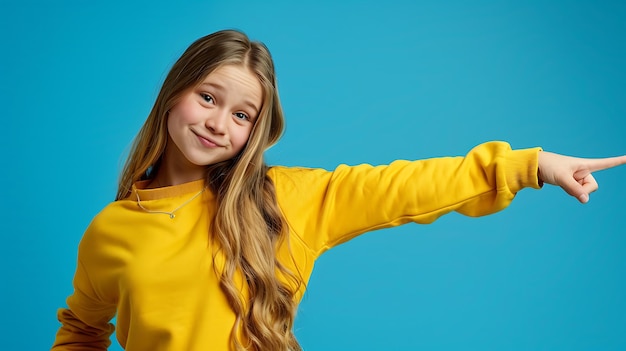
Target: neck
pixel 175 170
pixel 162 180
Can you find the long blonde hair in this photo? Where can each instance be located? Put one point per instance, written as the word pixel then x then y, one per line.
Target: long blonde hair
pixel 248 225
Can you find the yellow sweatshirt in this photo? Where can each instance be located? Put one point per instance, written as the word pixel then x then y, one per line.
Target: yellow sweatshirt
pixel 156 272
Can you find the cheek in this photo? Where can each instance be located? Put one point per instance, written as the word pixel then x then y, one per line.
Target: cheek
pixel 240 138
pixel 183 113
pixel 178 120
pixel 173 124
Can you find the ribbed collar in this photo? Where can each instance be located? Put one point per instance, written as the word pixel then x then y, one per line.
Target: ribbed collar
pixel 165 192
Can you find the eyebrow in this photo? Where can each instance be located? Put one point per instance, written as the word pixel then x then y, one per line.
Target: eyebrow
pixel 222 89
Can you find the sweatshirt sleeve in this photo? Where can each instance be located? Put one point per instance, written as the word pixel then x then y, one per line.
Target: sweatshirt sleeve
pixel 326 208
pixel 85 324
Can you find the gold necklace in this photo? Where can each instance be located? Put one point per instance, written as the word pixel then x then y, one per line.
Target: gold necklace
pixel 171 214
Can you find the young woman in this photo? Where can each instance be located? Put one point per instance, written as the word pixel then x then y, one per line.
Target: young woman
pixel 208 248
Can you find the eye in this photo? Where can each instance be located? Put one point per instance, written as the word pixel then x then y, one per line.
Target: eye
pixel 208 98
pixel 241 115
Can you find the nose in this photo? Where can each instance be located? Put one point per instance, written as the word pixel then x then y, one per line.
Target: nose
pixel 217 121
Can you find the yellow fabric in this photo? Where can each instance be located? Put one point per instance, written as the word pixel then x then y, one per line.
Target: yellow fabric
pixel 157 273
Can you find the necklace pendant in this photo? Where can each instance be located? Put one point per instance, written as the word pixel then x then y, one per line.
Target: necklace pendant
pixel 171 214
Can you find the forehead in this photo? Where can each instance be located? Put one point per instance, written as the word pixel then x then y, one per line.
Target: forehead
pixel 235 79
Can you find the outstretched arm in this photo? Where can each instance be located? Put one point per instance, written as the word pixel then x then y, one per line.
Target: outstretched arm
pixel 573 174
pixel 326 209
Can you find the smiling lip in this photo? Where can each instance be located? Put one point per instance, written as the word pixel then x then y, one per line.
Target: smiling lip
pixel 206 142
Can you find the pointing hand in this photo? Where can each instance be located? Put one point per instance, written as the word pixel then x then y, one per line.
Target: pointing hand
pixel 574 174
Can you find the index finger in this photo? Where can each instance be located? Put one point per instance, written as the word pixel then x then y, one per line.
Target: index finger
pixel 598 164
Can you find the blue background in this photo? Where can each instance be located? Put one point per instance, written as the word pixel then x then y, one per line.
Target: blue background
pixel 361 81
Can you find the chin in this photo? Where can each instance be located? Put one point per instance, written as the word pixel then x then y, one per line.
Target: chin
pixel 207 163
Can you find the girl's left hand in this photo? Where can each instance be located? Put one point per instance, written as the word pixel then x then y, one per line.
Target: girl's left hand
pixel 574 174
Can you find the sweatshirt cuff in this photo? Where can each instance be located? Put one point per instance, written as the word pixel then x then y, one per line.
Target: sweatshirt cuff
pixel 522 169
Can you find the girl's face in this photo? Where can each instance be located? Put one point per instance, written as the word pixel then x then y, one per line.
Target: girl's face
pixel 212 122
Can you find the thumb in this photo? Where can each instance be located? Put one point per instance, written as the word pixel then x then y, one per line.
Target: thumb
pixel 575 189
